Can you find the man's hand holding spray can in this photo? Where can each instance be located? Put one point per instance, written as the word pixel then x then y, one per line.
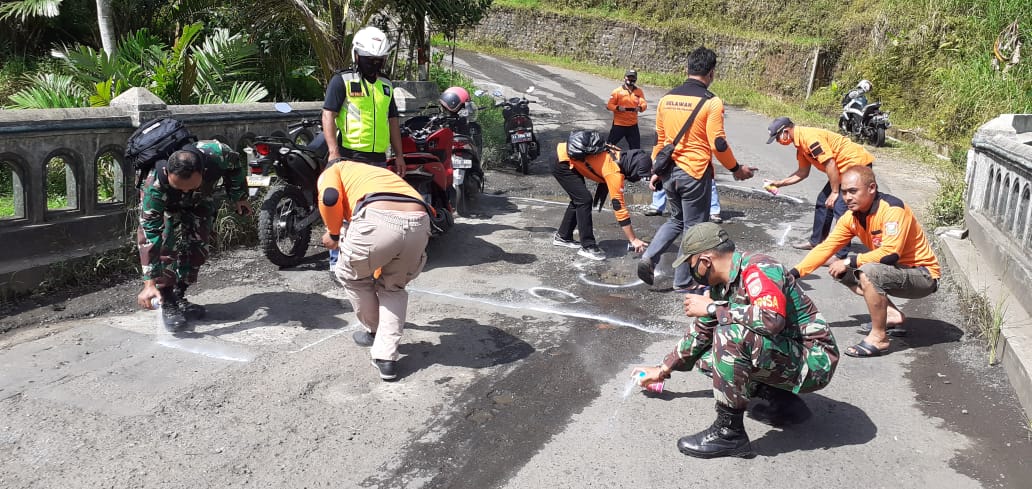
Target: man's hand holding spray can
pixel 640 377
pixel 769 186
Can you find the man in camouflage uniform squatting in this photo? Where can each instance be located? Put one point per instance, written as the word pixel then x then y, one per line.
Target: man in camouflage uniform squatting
pixel 756 334
pixel 177 209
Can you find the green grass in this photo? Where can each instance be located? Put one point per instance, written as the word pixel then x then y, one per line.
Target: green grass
pixel 6 206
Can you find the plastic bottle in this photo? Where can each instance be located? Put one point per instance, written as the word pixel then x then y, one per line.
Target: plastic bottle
pixel 656 387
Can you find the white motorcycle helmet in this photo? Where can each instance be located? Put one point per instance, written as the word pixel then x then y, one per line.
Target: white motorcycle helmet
pixel 370 41
pixel 864 86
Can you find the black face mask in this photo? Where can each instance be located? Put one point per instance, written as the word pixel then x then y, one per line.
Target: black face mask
pixel 370 67
pixel 701 279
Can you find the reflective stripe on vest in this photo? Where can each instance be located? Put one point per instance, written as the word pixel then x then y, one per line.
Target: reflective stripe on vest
pixel 362 121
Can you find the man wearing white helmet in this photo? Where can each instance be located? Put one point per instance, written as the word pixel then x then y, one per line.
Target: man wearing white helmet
pixel 370 122
pixel 359 108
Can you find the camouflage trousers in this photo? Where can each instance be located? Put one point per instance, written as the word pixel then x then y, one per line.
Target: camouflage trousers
pixel 185 246
pixel 739 359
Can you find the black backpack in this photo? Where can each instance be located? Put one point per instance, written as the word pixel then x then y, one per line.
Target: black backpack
pixel 155 141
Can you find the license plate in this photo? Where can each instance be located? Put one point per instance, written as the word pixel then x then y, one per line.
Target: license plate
pixel 259 180
pixel 521 137
pixel 457 162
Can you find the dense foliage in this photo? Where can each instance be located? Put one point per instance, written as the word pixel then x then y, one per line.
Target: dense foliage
pixel 931 61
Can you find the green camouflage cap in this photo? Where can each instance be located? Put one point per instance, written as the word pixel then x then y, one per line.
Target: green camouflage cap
pixel 700 237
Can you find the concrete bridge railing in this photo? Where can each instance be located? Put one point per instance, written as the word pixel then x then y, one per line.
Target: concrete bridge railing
pixel 38 229
pixel 999 188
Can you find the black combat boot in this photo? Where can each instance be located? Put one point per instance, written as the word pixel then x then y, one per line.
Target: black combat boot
pixel 725 438
pixel 783 408
pixel 192 311
pixel 171 312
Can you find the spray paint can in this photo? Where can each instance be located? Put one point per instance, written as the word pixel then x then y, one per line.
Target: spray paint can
pixel 769 186
pixel 155 303
pixel 656 387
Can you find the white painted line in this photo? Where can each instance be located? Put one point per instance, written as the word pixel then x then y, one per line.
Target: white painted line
pixel 764 192
pixel 547 310
pixel 338 333
pixel 537 292
pixel 207 348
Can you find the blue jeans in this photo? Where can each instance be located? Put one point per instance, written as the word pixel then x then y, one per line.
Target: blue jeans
pixel 824 217
pixel 659 201
pixel 689 205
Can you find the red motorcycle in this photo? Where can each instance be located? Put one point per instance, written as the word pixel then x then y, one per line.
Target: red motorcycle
pixel 427 145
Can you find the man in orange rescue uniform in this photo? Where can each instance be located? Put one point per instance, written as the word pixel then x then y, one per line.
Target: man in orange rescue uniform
pixel 388 228
pixel 625 102
pixel 688 184
pixel 584 155
pixel 827 152
pixel 900 263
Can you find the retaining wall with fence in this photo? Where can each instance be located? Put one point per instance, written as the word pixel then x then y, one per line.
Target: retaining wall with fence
pixel 68 194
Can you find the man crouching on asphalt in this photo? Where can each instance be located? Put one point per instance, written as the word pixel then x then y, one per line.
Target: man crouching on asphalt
pixel 177 209
pixel 756 334
pixel 900 262
pixel 388 230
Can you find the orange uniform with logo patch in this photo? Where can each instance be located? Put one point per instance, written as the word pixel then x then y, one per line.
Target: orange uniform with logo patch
pixel 816 146
pixel 346 186
pixel 632 101
pixel 889 230
pixel 703 140
pixel 601 168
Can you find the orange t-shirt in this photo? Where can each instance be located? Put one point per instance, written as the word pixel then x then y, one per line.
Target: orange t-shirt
pixel 816 146
pixel 704 140
pixel 346 186
pixel 628 99
pixel 889 230
pixel 601 168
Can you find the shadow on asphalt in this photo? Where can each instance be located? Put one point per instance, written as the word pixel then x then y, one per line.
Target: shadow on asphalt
pixel 921 332
pixel 463 343
pixel 442 251
pixel 834 424
pixel 279 308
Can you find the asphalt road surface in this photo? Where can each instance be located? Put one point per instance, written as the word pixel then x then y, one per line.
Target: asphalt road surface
pixel 517 360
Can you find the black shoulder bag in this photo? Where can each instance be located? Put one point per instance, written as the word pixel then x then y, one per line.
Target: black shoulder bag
pixel 664 161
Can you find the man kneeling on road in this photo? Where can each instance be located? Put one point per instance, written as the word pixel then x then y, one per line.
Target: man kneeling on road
pixel 900 263
pixel 756 334
pixel 177 203
pixel 388 228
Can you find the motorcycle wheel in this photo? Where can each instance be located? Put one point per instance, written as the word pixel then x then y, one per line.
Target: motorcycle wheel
pixel 524 162
pixel 284 245
pixel 467 195
pixel 878 138
pixel 441 222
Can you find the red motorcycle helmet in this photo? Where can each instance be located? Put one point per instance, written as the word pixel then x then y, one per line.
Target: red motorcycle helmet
pixel 454 99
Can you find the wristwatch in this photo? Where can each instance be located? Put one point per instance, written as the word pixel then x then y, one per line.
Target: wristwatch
pixel 711 309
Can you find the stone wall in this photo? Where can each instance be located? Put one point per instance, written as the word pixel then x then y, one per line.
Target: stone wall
pixel 773 66
pixel 999 200
pixel 37 237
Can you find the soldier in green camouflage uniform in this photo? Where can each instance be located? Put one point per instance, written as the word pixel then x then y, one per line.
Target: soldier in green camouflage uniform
pixel 177 209
pixel 756 334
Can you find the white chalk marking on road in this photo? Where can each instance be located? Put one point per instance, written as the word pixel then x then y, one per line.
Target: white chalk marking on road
pixel 784 236
pixel 303 348
pixel 584 278
pixel 207 348
pixel 536 201
pixel 546 310
pixel 537 292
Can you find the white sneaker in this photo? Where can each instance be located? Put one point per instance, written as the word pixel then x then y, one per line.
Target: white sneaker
pixel 593 252
pixel 560 241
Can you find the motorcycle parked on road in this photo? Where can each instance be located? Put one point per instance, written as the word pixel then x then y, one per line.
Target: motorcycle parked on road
pixel 519 128
pixel 427 143
pixel 862 121
pixel 289 166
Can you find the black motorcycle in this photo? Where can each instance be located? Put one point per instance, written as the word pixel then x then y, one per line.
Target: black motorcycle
pixel 289 166
pixel 862 121
pixel 519 128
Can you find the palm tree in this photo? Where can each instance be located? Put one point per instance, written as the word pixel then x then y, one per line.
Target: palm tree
pixel 213 72
pixel 23 9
